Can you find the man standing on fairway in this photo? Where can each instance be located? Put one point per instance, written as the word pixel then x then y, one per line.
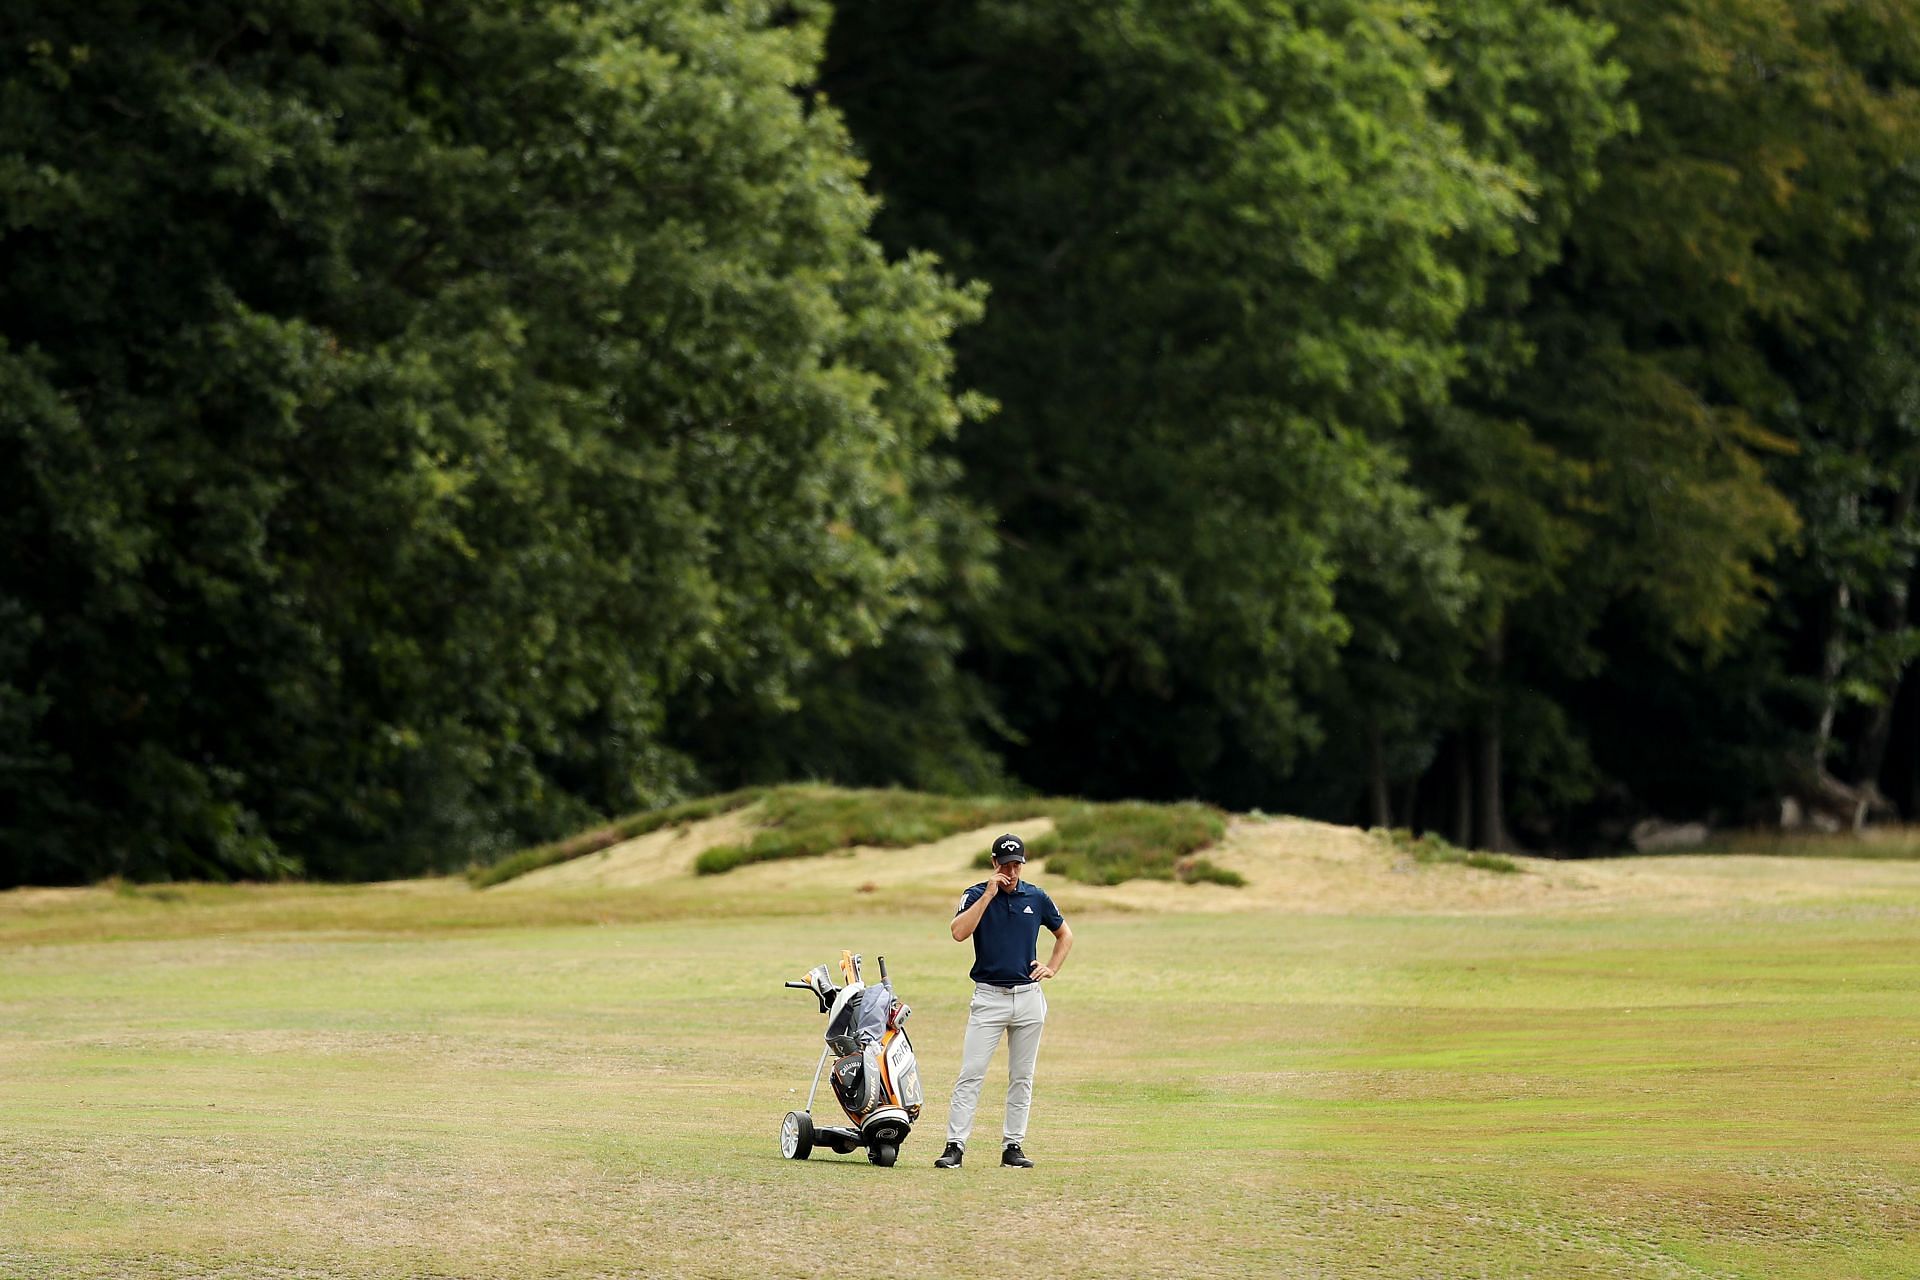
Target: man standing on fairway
pixel 1003 917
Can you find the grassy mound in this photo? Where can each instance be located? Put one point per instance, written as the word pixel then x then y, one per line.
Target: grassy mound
pixel 804 822
pixel 1092 843
pixel 593 841
pixel 1112 843
pixel 1430 847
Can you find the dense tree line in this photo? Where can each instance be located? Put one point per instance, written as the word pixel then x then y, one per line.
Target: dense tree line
pixel 1500 419
pixel 405 406
pixel 425 428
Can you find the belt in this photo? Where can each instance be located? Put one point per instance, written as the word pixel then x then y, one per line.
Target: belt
pixel 1024 986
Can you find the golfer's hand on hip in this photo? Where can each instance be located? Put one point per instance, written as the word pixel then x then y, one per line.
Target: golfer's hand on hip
pixel 1041 972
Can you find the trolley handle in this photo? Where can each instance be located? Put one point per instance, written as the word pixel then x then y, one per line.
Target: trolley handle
pixel 826 1001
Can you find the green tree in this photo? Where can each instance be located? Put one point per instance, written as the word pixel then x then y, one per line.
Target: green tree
pixel 1631 453
pixel 1713 297
pixel 1528 86
pixel 1218 238
pixel 402 406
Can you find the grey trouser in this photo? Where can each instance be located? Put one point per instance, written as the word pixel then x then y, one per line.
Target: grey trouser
pixel 1021 1013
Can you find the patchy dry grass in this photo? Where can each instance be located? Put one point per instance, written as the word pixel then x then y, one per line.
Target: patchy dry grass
pixel 598 838
pixel 1430 848
pixel 1895 843
pixel 1108 844
pixel 1093 843
pixel 806 821
pixel 429 1081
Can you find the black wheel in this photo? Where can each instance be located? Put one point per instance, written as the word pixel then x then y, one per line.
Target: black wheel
pixel 796 1135
pixel 883 1154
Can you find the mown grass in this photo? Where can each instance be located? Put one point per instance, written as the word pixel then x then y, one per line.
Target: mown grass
pixel 598 838
pixel 1630 1096
pixel 1431 848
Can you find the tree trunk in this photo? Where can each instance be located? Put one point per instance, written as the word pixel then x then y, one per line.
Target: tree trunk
pixel 1410 803
pixel 1462 793
pixel 1910 776
pixel 1492 823
pixel 1377 801
pixel 1833 657
pixel 1872 750
pixel 1900 768
pixel 1891 614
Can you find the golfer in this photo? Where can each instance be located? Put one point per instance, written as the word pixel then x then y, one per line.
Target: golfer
pixel 1003 917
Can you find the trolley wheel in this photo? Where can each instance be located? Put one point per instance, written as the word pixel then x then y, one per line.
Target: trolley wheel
pixel 883 1154
pixel 796 1135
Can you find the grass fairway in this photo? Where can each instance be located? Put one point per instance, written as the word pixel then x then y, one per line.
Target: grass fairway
pixel 419 1086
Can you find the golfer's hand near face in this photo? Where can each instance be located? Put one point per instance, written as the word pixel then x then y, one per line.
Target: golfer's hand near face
pixel 1003 917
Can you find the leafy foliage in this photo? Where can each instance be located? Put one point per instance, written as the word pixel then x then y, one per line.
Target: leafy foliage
pixel 1710 313
pixel 405 406
pixel 1212 293
pixel 427 431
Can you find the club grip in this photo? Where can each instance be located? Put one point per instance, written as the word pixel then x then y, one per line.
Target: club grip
pixel 801 985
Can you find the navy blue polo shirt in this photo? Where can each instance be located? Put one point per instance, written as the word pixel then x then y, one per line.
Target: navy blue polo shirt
pixel 1004 942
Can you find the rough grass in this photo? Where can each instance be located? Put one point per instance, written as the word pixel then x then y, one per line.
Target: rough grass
pixel 1891 843
pixel 1114 843
pixel 806 821
pixel 1430 848
pixel 598 838
pixel 1092 843
pixel 1725 1095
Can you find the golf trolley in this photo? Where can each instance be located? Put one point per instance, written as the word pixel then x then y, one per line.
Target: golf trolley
pixel 874 1074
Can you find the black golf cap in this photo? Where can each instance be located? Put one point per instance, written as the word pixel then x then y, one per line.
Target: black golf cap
pixel 1009 848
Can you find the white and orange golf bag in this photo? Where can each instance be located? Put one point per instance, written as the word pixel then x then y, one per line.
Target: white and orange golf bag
pixel 874 1075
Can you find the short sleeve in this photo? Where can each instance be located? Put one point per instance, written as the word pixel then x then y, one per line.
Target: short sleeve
pixel 1049 914
pixel 970 897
